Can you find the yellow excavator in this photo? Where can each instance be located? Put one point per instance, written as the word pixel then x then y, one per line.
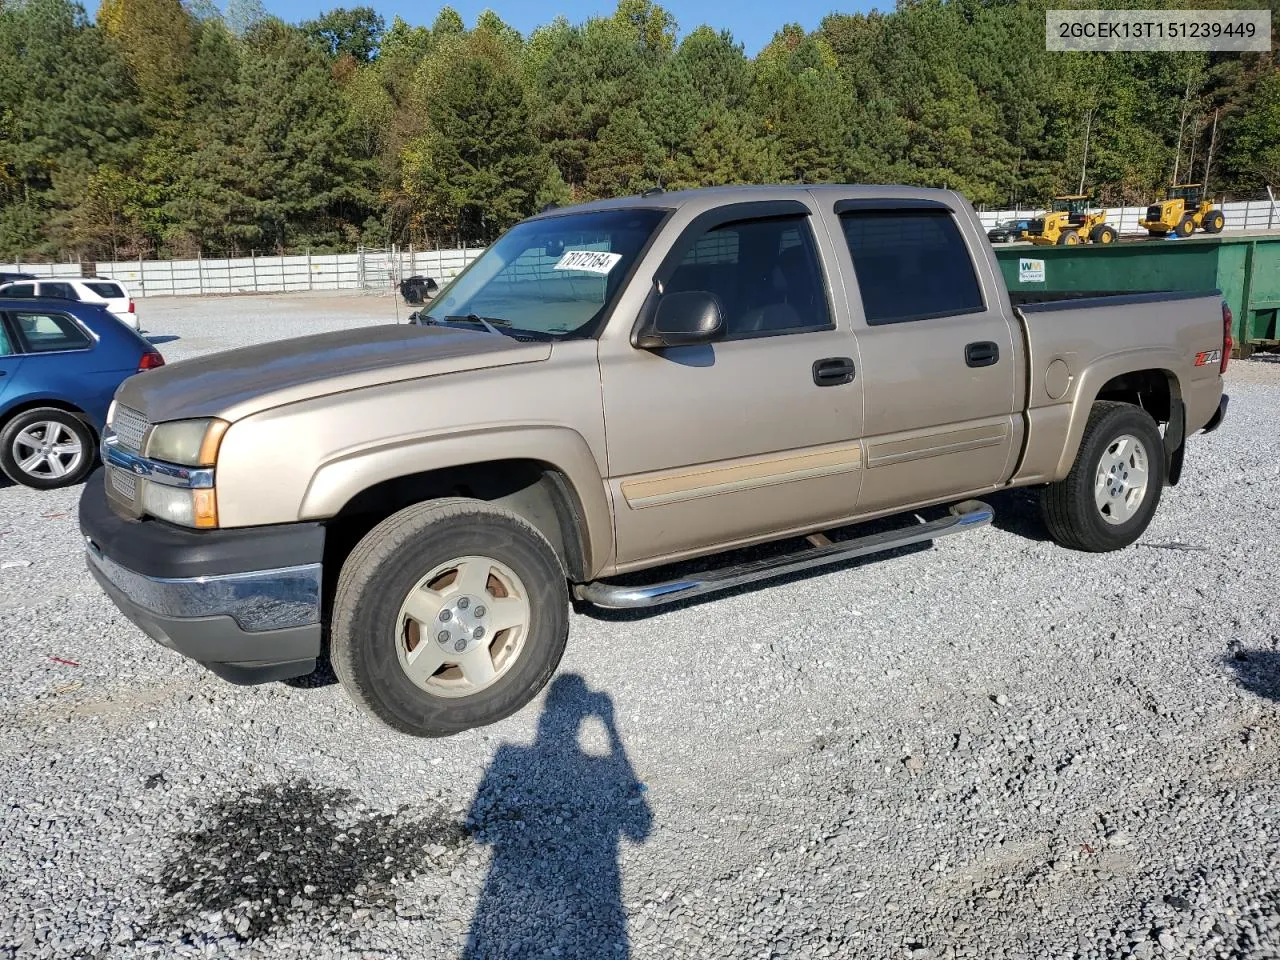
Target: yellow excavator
pixel 1183 210
pixel 1069 221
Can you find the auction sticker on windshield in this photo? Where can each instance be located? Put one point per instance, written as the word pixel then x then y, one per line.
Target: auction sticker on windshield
pixel 590 261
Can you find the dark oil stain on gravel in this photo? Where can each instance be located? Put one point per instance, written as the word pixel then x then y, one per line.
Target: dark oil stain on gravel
pixel 295 853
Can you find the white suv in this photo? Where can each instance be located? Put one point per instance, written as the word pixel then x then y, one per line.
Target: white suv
pixel 112 294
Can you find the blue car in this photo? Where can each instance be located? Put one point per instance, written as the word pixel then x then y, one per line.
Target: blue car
pixel 60 365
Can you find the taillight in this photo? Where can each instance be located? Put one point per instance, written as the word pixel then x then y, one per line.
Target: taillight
pixel 1227 340
pixel 132 308
pixel 150 360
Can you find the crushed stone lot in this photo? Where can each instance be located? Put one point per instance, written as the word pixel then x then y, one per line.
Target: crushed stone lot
pixel 987 747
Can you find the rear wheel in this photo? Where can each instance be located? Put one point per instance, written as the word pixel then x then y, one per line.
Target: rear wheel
pixel 1108 499
pixel 47 448
pixel 1102 234
pixel 1068 238
pixel 1186 226
pixel 1214 221
pixel 449 615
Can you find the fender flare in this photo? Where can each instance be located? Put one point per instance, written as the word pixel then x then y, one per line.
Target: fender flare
pixel 1096 376
pixel 337 480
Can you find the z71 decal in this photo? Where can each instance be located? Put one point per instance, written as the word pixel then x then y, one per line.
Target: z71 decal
pixel 1208 356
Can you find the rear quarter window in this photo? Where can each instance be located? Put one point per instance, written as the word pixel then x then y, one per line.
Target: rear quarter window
pixel 108 291
pixel 24 290
pixel 911 265
pixel 50 332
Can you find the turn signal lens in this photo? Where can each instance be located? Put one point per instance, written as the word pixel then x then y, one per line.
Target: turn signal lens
pixel 205 508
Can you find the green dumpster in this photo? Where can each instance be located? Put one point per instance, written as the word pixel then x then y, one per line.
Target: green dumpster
pixel 1245 268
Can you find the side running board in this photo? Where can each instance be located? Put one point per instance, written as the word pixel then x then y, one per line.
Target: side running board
pixel 968 515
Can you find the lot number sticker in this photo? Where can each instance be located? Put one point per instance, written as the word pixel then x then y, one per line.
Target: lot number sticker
pixel 589 261
pixel 1030 271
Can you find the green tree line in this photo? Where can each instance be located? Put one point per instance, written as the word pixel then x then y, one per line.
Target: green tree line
pixel 167 127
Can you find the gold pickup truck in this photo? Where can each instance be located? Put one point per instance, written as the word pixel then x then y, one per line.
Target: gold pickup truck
pixel 610 388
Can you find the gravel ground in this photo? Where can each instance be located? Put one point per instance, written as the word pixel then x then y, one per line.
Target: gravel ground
pixel 990 747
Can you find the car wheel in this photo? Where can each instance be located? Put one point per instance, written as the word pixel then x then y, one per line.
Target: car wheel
pixel 448 615
pixel 47 448
pixel 1108 499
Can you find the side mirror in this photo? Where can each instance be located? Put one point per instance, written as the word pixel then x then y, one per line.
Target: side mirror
pixel 681 319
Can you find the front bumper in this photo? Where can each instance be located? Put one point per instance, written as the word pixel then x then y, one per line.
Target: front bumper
pixel 245 603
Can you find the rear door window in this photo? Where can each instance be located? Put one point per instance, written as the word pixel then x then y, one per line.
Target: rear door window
pixel 63 291
pixel 49 332
pixel 108 291
pixel 911 265
pixel 23 290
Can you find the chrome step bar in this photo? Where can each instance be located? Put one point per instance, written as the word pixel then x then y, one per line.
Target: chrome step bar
pixel 968 515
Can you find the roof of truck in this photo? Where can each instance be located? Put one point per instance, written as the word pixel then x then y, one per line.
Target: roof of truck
pixel 706 198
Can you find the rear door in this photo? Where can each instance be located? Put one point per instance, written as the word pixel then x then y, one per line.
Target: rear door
pixel 10 360
pixel 941 364
pixel 64 359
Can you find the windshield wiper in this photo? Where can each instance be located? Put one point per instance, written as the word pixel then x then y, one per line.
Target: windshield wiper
pixel 490 324
pixel 487 322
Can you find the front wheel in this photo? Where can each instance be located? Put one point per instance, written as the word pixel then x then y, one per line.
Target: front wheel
pixel 448 615
pixel 1186 226
pixel 1108 499
pixel 1068 238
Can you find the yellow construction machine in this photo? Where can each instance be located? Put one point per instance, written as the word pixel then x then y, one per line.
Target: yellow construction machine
pixel 1069 221
pixel 1183 210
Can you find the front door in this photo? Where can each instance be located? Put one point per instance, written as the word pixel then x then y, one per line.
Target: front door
pixel 756 433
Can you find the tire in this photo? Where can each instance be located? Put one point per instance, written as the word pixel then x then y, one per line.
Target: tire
pixel 1068 238
pixel 1102 234
pixel 1186 226
pixel 377 647
pixel 1214 221
pixel 1076 508
pixel 26 458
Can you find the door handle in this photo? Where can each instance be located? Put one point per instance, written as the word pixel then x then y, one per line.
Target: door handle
pixel 833 371
pixel 984 353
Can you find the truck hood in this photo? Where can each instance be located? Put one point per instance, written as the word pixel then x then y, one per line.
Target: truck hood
pixel 239 383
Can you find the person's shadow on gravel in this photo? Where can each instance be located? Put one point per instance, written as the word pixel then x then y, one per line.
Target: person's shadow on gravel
pixel 555 815
pixel 1258 671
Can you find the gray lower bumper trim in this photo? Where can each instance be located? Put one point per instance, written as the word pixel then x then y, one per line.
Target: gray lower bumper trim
pixel 258 600
pixel 969 515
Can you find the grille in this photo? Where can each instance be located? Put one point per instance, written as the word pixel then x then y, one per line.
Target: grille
pixel 130 427
pixel 1154 213
pixel 1036 226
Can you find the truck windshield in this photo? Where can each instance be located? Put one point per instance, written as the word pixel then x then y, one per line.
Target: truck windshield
pixel 552 277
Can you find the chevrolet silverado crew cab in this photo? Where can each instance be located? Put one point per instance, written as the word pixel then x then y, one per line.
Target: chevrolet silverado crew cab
pixel 610 388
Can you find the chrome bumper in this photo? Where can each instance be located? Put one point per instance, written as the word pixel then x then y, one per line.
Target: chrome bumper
pixel 258 600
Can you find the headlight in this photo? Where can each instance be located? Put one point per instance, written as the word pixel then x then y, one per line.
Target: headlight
pixel 189 443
